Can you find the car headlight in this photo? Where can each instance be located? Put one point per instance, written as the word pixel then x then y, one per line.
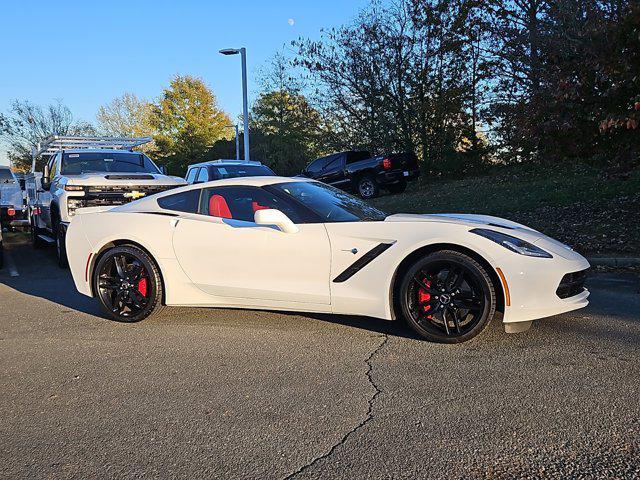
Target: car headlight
pixel 514 244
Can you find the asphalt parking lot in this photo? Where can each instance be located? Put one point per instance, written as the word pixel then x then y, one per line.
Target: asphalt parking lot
pixel 225 393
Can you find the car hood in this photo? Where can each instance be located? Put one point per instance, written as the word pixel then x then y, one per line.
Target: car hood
pixel 124 179
pixel 487 221
pixel 459 218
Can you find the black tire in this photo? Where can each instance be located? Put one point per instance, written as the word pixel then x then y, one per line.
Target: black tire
pixel 396 188
pixel 447 297
pixel 36 241
pixel 368 187
pixel 61 246
pixel 118 286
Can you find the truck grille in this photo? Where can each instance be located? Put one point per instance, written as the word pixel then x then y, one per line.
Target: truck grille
pixel 572 284
pixel 111 196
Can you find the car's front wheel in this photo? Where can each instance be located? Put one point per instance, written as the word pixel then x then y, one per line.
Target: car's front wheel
pixel 447 297
pixel 128 284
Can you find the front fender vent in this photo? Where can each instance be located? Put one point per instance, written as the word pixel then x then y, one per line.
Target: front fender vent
pixel 362 262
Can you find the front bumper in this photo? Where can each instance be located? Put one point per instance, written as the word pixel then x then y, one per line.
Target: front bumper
pixel 541 291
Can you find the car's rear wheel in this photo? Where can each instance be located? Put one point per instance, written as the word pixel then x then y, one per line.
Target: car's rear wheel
pixel 128 284
pixel 368 187
pixel 447 297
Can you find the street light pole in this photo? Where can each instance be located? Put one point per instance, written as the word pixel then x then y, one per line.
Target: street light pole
pixel 237 142
pixel 245 100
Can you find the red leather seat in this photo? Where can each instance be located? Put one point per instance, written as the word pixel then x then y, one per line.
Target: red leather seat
pixel 218 207
pixel 256 206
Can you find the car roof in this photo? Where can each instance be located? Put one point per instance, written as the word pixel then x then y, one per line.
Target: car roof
pixel 223 162
pixel 147 203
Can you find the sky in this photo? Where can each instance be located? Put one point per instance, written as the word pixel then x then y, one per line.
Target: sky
pixel 85 53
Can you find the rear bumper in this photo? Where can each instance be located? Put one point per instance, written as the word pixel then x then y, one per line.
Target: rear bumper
pixel 397 176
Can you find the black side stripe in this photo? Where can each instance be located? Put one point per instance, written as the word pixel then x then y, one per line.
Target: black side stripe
pixel 362 262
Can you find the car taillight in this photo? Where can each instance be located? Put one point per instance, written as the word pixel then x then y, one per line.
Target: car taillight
pixel 11 212
pixel 386 164
pixel 36 211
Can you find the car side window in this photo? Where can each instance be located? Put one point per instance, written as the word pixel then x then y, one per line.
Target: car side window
pixel 335 164
pixel 187 202
pixel 241 203
pixel 203 175
pixel 317 165
pixel 191 175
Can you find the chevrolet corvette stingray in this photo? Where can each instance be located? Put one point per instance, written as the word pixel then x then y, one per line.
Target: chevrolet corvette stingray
pixel 300 245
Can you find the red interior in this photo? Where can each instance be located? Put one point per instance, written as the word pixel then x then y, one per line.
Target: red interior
pixel 218 207
pixel 256 206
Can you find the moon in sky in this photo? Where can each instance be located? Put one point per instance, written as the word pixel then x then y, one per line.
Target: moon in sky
pixel 291 22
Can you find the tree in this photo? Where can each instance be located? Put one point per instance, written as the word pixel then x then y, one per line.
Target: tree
pixel 187 120
pixel 127 116
pixel 285 127
pixel 27 124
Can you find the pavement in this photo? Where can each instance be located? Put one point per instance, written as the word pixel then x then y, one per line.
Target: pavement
pixel 198 393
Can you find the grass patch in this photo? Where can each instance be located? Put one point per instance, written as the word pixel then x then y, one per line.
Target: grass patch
pixel 577 205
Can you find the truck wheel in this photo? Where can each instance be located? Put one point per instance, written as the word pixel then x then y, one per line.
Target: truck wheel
pixel 368 187
pixel 61 247
pixel 397 187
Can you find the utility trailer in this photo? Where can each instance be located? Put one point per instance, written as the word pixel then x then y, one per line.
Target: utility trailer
pixel 86 174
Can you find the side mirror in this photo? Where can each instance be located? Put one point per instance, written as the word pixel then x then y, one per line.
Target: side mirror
pixel 44 183
pixel 271 216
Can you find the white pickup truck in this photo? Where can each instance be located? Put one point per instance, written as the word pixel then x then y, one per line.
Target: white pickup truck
pixel 80 180
pixel 12 208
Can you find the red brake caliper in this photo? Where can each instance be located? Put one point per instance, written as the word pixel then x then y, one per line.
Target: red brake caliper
pixel 142 286
pixel 424 297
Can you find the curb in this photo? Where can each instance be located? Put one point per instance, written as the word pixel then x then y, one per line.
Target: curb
pixel 622 262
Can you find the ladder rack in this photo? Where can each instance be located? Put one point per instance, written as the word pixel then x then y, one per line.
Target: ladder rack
pixel 55 143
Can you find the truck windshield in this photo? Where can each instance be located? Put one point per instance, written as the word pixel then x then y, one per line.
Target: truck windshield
pixel 331 204
pixel 121 162
pixel 6 176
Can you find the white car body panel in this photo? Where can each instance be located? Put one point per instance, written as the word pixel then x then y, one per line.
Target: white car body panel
pixel 209 261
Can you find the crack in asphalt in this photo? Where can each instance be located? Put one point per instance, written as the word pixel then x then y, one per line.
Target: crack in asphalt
pixel 367 419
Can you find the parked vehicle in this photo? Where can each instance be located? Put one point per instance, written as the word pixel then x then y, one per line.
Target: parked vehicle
pixel 220 169
pixel 78 179
pixel 296 244
pixel 12 204
pixel 358 171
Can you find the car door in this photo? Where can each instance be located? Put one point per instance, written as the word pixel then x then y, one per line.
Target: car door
pixel 228 256
pixel 333 171
pixel 44 196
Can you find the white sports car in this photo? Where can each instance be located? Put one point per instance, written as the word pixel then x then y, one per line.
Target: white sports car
pixel 295 244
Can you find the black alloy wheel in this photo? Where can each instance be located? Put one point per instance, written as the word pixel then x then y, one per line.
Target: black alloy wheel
pixel 447 297
pixel 368 187
pixel 127 282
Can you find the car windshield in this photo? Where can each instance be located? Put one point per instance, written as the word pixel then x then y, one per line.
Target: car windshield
pixel 233 171
pixel 121 162
pixel 331 204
